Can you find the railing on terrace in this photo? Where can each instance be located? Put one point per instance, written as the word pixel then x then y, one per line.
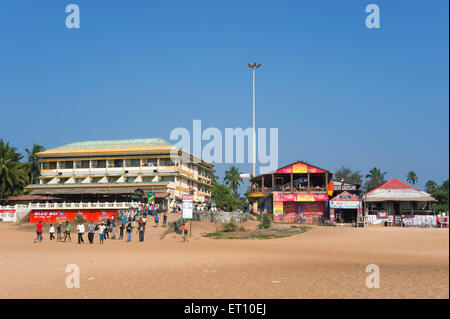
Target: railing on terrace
pixel 98 205
pixel 288 189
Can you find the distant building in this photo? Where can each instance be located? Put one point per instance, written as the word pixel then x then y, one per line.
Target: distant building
pixel 394 200
pixel 295 192
pixel 120 170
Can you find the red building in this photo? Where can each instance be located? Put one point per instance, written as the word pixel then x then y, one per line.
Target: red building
pixel 295 192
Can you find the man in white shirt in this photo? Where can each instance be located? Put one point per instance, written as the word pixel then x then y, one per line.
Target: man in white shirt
pixel 51 231
pixel 101 231
pixel 80 229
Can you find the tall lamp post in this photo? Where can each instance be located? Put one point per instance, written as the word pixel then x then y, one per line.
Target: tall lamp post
pixel 254 66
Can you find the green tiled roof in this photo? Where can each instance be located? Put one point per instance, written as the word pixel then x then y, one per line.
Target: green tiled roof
pixel 138 142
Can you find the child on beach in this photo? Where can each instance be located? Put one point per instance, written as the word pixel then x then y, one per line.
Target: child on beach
pixel 101 231
pixel 156 220
pixel 184 231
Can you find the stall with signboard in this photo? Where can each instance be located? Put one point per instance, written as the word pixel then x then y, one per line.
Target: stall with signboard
pixel 345 208
pixel 289 191
pixel 299 207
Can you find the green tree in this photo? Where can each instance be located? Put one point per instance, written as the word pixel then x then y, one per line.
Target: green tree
pixel 441 195
pixel 412 177
pixel 349 176
pixel 430 186
pixel 13 173
pixel 374 179
pixel 233 179
pixel 214 178
pixel 223 198
pixel 35 169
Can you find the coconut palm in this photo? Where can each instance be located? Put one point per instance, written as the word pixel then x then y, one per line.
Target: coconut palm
pixel 13 173
pixel 233 179
pixel 33 161
pixel 375 179
pixel 412 177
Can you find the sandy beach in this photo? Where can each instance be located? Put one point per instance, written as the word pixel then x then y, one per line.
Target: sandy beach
pixel 324 262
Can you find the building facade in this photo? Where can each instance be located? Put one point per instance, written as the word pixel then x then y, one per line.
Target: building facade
pixel 296 192
pixel 121 171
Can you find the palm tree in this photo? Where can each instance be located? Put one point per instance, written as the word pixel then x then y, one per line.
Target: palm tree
pixel 412 177
pixel 375 173
pixel 13 173
pixel 213 177
pixel 33 161
pixel 375 179
pixel 233 179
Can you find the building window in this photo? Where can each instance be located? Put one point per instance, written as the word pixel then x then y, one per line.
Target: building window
pixel 115 163
pixel 166 162
pixel 149 162
pixel 49 165
pixel 82 164
pixel 133 163
pixel 98 164
pixel 66 165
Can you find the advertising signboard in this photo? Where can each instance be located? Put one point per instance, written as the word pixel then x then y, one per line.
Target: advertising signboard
pixel 7 215
pixel 188 206
pixel 345 204
pixel 52 216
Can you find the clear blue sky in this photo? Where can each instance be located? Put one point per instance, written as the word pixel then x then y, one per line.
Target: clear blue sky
pixel 340 94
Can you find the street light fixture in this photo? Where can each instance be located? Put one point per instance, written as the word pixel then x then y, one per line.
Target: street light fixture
pixel 254 66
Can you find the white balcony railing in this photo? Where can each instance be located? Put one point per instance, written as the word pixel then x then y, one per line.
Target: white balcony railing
pixel 72 205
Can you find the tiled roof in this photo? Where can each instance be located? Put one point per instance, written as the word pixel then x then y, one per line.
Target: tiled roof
pixel 139 142
pixel 130 145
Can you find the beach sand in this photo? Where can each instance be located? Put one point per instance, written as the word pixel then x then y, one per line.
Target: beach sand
pixel 324 262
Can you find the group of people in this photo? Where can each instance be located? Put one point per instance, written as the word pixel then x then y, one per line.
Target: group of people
pixel 130 221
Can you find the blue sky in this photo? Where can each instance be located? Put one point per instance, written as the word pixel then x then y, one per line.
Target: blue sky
pixel 339 93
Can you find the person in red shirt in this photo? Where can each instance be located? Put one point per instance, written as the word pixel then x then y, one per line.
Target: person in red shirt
pixel 39 232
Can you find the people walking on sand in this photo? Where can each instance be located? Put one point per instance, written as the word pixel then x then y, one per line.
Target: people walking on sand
pixel 144 221
pixel 156 220
pixel 101 232
pixel 165 218
pixel 38 232
pixel 91 232
pixel 67 232
pixel 184 231
pixel 113 232
pixel 141 232
pixel 52 231
pixel 80 230
pixel 122 227
pixel 106 232
pixel 58 232
pixel 129 230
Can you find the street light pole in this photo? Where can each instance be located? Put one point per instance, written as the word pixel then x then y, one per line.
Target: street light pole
pixel 254 66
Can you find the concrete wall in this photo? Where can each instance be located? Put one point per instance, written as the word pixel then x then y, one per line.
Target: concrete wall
pixel 220 217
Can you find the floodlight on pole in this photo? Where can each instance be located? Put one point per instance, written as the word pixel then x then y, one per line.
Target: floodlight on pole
pixel 254 66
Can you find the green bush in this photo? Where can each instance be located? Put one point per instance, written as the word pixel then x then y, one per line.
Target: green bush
pixel 229 227
pixel 266 222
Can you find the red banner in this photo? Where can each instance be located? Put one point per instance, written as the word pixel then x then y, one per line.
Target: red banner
pixel 52 216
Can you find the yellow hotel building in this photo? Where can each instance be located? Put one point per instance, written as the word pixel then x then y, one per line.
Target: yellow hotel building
pixel 118 170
